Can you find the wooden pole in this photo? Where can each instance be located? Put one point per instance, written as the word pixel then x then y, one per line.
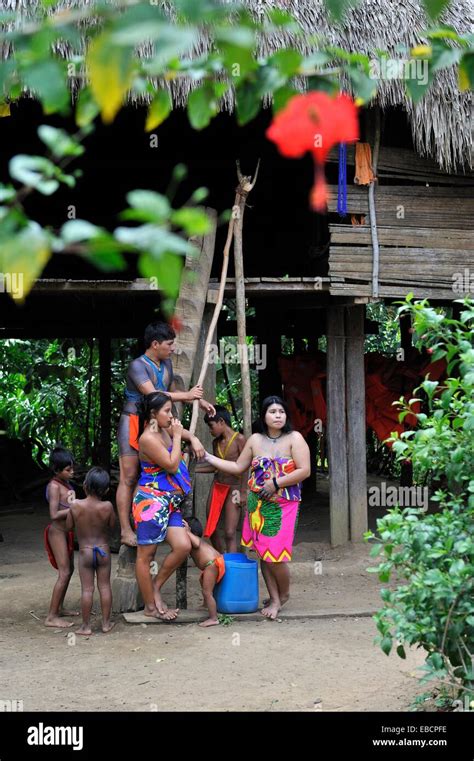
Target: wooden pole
pixel 235 227
pixel 243 189
pixel 372 212
pixel 336 427
pixel 356 425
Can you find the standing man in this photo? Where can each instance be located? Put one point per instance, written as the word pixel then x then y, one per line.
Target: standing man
pixel 152 371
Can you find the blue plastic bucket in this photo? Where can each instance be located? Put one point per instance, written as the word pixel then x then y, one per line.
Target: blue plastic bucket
pixel 237 592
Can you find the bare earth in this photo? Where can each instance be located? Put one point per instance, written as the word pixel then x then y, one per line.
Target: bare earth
pixel 308 664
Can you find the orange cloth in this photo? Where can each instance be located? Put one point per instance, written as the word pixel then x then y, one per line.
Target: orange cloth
pixel 219 562
pixel 70 545
pixel 363 165
pixel 133 433
pixel 219 494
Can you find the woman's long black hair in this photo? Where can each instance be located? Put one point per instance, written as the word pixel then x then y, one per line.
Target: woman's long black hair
pixel 150 402
pixel 267 402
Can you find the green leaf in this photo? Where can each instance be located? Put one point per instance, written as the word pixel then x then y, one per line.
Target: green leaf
pixel 159 110
pixel 386 645
pixel 202 106
pixel 104 253
pixel 110 70
pixel 287 61
pixel 47 80
pixel 364 86
pixel 401 652
pixel 86 108
pixel 338 8
pixel 25 254
pixel 152 207
pixel 35 172
pixel 466 72
pixel 435 7
pixel 77 230
pixel 248 102
pixel 167 269
pixel 7 192
pixel 282 96
pixel 59 142
pixel 443 56
pixel 193 221
pixel 314 61
pixel 417 86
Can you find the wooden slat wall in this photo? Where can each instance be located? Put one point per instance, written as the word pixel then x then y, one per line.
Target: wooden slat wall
pixel 426 238
pixel 408 206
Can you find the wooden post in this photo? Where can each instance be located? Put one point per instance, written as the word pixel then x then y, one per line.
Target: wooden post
pixel 336 426
pixel 190 304
pixel 202 482
pixel 105 390
pixel 356 426
pixel 243 189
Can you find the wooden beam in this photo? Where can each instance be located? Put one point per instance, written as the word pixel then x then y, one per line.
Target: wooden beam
pixel 336 427
pixel 356 425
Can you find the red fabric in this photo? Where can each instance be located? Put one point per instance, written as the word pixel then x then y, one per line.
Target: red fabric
pixel 70 545
pixel 386 381
pixel 303 380
pixel 218 497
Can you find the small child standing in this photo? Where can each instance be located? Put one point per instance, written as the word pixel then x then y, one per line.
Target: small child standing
pixel 94 519
pixel 212 565
pixel 228 492
pixel 59 542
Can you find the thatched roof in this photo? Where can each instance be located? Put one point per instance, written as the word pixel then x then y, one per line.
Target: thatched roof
pixel 440 122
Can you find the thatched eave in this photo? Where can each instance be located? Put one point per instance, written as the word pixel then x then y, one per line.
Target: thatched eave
pixel 440 122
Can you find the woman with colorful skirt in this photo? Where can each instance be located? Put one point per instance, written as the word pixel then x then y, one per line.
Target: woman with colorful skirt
pixel 279 461
pixel 163 484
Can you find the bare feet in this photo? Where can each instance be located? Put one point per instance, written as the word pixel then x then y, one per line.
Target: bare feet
pixel 159 602
pixel 283 600
pixel 107 626
pixel 209 622
pixel 85 629
pixel 128 538
pixel 168 615
pixel 57 623
pixel 271 611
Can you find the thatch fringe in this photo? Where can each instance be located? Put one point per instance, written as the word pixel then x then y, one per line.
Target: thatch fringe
pixel 440 122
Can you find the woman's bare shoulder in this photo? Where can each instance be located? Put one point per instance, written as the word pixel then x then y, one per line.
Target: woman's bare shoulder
pixel 296 437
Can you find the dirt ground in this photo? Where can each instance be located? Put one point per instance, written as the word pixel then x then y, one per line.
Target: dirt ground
pixel 305 664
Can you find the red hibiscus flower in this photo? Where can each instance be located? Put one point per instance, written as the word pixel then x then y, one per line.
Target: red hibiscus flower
pixel 315 122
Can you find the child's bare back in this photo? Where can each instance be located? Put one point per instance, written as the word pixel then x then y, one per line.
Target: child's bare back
pixel 203 553
pixel 94 519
